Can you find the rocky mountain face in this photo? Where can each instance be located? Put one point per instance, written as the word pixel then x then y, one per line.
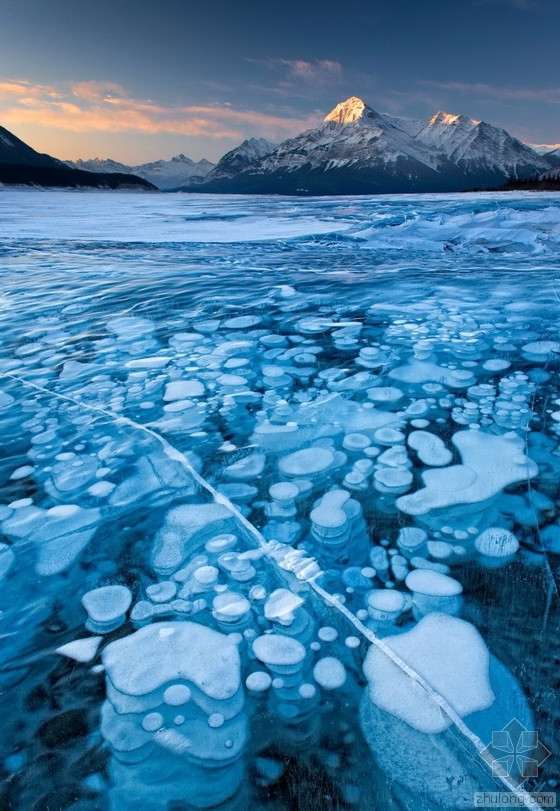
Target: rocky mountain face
pixel 13 151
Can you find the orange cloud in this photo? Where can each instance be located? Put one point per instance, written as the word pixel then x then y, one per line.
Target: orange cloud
pixel 95 106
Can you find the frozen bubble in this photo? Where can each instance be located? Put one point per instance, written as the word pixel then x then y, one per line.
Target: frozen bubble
pixel 142 612
pixel 273 649
pixel 430 448
pixel 488 466
pixel 209 325
pixel 393 479
pixel 156 362
pixel 307 691
pixel 422 563
pixel 440 549
pixel 329 673
pixel 259 681
pixel 281 605
pixel 242 322
pixel 206 575
pixel 328 520
pixel 327 634
pixel 164 652
pixel 81 650
pixel 306 462
pixel 162 592
pixel 63 511
pixel 496 543
pixel 230 606
pixel 283 491
pixel 410 539
pixel 73 474
pixel 449 654
pixel 425 581
pixel 420 424
pixel 236 363
pixel 107 604
pixel 22 472
pixel 389 436
pixel 152 721
pixel 130 328
pixel 385 394
pixel 356 442
pixel 177 406
pixel 248 468
pixel 177 695
pixel 221 543
pixel 183 390
pixel 273 341
pixel 352 642
pixel 273 371
pixel 44 438
pixel 388 601
pixel 216 720
pixel 232 381
pixel 101 489
pixel 541 351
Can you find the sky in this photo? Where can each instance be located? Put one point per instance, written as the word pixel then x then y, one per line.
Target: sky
pixel 139 80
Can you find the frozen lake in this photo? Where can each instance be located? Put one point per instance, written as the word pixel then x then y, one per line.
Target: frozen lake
pixel 279 517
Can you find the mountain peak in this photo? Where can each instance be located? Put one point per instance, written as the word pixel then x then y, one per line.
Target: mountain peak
pixel 448 119
pixel 350 111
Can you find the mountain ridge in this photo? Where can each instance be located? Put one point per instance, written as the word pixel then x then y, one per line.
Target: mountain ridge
pixel 21 165
pixel 356 150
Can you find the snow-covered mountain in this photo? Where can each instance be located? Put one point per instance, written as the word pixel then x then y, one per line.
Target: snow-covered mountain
pixel 179 171
pixel 357 150
pixel 240 158
pixel 550 151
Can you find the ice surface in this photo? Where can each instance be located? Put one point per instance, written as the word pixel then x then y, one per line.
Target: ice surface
pixel 232 437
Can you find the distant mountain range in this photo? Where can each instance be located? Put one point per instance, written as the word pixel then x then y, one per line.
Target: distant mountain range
pixel 165 175
pixel 22 166
pixel 355 151
pixel 550 151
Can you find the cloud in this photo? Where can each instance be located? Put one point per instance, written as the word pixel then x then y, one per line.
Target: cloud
pixel 324 71
pixel 94 106
pixel 550 95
